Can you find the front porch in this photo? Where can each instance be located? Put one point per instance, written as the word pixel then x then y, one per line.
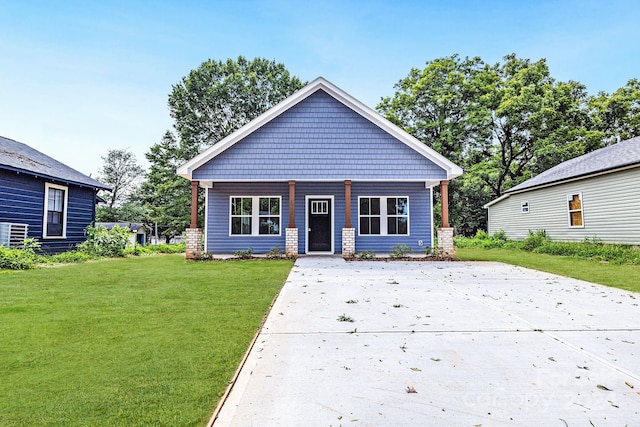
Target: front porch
pixel 307 207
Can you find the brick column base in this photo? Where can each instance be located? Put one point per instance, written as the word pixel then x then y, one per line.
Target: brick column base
pixel 291 242
pixel 193 243
pixel 445 240
pixel 348 242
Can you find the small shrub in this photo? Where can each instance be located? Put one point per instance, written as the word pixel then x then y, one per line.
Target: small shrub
pixel 137 250
pixel 400 251
pixel 244 253
pixel 105 243
pixel 533 240
pixel 368 254
pixel 16 259
pixel 275 253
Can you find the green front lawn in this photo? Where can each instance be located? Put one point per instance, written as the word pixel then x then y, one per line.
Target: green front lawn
pixel 623 276
pixel 123 342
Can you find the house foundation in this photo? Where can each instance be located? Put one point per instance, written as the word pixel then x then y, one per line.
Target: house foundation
pixel 291 242
pixel 348 242
pixel 445 240
pixel 193 243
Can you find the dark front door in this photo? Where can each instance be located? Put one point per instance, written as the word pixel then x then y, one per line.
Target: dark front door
pixel 319 234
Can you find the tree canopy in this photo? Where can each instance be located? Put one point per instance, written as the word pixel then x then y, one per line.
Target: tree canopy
pixel 208 104
pixel 219 97
pixel 505 122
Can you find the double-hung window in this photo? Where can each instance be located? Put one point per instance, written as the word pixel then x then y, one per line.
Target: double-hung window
pixel 383 215
pixel 576 217
pixel 255 215
pixel 54 224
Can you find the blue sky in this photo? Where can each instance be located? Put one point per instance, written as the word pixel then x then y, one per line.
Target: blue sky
pixel 78 78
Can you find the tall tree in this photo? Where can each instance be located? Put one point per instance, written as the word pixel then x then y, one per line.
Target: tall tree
pixel 208 104
pixel 221 96
pixel 122 173
pixel 501 123
pixel 164 193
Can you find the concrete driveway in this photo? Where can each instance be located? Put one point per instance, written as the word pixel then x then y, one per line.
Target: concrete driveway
pixel 440 343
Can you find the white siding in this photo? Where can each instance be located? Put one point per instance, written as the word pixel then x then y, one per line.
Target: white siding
pixel 610 203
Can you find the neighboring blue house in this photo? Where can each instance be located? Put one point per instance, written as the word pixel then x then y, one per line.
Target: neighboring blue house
pixel 319 173
pixel 54 201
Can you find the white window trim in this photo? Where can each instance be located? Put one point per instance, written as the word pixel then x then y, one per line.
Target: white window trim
pixel 64 188
pixel 524 207
pixel 384 216
pixel 569 211
pixel 255 216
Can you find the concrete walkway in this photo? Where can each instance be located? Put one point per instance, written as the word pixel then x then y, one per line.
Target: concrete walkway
pixel 440 343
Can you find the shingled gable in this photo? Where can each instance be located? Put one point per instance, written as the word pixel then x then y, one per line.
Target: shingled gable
pixel 449 170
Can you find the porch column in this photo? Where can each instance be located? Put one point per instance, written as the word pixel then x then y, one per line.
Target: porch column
pixel 194 203
pixel 292 204
pixel 348 232
pixel 193 233
pixel 291 233
pixel 347 203
pixel 445 232
pixel 444 201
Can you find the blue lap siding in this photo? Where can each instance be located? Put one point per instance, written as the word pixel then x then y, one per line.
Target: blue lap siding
pixel 22 201
pixel 218 214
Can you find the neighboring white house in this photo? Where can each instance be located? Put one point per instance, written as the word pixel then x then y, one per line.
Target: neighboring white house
pixel 596 195
pixel 137 231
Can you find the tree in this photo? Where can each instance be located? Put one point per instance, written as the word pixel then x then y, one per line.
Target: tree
pixel 211 102
pixel 122 173
pixel 501 123
pixel 167 195
pixel 219 97
pixel 616 117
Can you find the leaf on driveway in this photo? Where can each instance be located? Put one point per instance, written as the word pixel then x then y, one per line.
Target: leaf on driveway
pixel 601 387
pixel 628 384
pixel 420 370
pixel 436 359
pixel 410 389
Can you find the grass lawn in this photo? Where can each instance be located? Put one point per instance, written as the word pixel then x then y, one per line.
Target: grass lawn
pixel 124 342
pixel 621 276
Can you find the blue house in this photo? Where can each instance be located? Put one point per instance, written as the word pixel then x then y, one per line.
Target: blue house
pixel 319 173
pixel 49 200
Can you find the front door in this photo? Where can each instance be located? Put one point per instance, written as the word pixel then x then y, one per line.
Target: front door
pixel 319 230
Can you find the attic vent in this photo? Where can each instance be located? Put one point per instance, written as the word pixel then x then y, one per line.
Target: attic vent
pixel 12 235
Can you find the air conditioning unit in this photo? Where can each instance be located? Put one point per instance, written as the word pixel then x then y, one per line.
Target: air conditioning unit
pixel 12 235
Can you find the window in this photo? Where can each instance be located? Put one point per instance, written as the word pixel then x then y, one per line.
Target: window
pixel 55 211
pixel 269 215
pixel 255 216
pixel 383 215
pixel 241 215
pixel 575 210
pixel 524 208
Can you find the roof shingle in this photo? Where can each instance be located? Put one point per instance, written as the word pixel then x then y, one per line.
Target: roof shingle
pixel 18 156
pixel 624 153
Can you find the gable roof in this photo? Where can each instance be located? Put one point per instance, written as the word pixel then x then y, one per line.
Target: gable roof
pixel 20 157
pixel 186 170
pixel 608 159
